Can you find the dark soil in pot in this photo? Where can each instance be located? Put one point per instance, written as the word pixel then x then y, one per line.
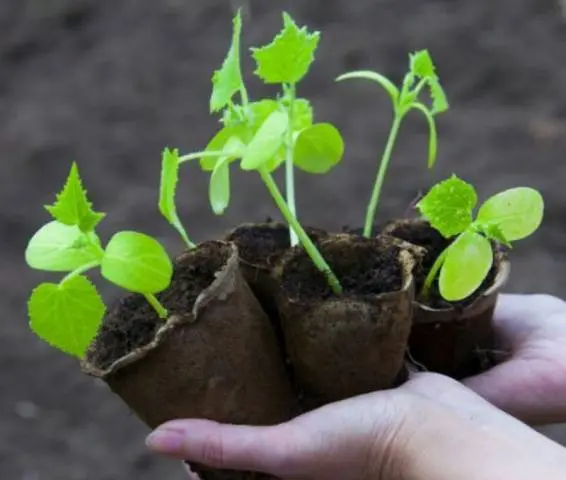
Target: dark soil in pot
pixel 453 338
pixel 342 346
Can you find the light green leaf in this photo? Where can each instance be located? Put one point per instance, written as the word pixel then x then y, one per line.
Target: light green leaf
pixel 387 84
pixel 259 111
pixel 448 206
pixel 318 148
pixel 492 230
pixel 421 64
pixel 433 136
pixel 219 187
pixel 439 101
pixel 288 57
pixel 72 206
pixel 57 247
pixel 167 188
pixel 467 263
pixel 137 262
pixel 266 142
pixel 302 114
pixel 518 212
pixel 217 144
pixel 228 80
pixel 68 315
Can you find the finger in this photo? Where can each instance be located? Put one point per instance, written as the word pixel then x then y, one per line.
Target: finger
pixel 274 450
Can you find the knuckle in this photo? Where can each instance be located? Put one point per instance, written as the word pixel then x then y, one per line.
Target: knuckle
pixel 212 452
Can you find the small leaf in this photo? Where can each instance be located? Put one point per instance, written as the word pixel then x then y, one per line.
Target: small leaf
pixel 433 136
pixel 467 263
pixel 288 57
pixel 492 230
pixel 68 315
pixel 219 187
pixel 302 114
pixel 267 141
pixel 518 212
pixel 387 84
pixel 72 206
pixel 439 101
pixel 421 64
pixel 228 80
pixel 167 188
pixel 448 206
pixel 137 262
pixel 318 148
pixel 259 111
pixel 56 247
pixel 217 144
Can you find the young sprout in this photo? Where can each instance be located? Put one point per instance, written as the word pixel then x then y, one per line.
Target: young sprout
pixel 68 314
pixel 421 75
pixel 508 216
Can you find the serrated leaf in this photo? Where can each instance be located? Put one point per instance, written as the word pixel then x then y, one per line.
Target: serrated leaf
pixel 72 206
pixel 68 315
pixel 219 187
pixel 439 101
pixel 137 262
pixel 433 135
pixel 518 212
pixel 318 148
pixel 288 57
pixel 167 189
pixel 448 206
pixel 467 263
pixel 381 80
pixel 266 142
pixel 218 143
pixel 228 80
pixel 421 64
pixel 56 247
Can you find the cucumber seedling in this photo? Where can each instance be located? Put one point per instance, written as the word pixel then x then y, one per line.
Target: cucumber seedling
pixel 508 216
pixel 267 133
pixel 68 314
pixel 421 75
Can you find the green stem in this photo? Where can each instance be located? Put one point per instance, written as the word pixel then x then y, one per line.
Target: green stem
pixel 307 243
pixel 160 309
pixel 289 167
pixel 244 96
pixel 196 155
pixel 80 270
pixel 372 208
pixel 433 273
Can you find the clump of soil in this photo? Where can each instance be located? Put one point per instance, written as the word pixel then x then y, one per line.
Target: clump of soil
pixel 132 323
pixel 420 233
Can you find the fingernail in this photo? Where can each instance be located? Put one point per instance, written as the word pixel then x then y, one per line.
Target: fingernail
pixel 165 441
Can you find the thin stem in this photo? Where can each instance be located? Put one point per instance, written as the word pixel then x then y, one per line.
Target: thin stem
pixel 196 155
pixel 84 268
pixel 372 207
pixel 244 95
pixel 289 167
pixel 307 243
pixel 160 309
pixel 433 273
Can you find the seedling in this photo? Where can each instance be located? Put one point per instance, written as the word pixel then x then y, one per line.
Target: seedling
pixel 508 216
pixel 421 75
pixel 267 133
pixel 68 314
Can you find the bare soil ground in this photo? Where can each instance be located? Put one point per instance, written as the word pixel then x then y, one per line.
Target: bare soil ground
pixel 110 83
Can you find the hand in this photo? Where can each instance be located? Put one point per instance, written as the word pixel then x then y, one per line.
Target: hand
pixel 531 384
pixel 430 428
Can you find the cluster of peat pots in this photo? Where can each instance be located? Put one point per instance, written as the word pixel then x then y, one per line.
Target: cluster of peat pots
pixel 275 319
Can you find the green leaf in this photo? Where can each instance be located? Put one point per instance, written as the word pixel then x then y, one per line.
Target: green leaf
pixel 421 64
pixel 318 148
pixel 302 114
pixel 219 187
pixel 56 247
pixel 72 206
pixel 492 230
pixel 167 188
pixel 448 206
pixel 288 57
pixel 433 136
pixel 467 263
pixel 68 315
pixel 228 80
pixel 137 262
pixel 259 111
pixel 439 101
pixel 217 144
pixel 267 141
pixel 387 84
pixel 518 212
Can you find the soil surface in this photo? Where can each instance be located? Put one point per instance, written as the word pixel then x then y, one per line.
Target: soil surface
pixel 110 83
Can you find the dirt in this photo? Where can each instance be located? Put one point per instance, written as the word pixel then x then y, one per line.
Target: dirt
pixel 109 84
pixel 133 322
pixel 423 235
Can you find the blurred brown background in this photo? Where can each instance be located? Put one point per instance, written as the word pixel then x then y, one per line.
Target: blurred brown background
pixel 109 83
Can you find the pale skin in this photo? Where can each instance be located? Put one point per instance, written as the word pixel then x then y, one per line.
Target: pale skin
pixel 431 428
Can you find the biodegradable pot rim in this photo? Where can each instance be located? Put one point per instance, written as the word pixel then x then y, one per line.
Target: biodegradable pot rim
pixel 220 288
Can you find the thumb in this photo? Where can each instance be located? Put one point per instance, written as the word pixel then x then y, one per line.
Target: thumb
pixel 279 450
